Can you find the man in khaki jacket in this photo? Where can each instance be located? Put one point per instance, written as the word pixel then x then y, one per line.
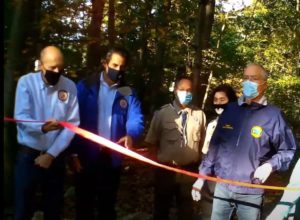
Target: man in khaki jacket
pixel 176 132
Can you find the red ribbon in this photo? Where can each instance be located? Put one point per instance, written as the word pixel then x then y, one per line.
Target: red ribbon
pixel 107 143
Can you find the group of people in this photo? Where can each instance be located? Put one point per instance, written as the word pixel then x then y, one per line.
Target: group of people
pixel 246 142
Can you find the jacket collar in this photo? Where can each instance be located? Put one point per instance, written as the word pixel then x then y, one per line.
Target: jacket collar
pixel 263 101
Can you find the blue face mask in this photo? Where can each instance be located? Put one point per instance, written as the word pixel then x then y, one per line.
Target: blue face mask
pixel 250 89
pixel 184 97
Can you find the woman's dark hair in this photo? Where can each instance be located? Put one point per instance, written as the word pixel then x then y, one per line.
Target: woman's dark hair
pixel 228 90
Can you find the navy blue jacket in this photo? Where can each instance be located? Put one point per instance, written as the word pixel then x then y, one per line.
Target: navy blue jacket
pixel 246 137
pixel 126 119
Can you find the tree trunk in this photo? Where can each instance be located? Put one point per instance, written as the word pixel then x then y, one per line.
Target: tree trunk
pixel 203 32
pixel 111 23
pixel 19 50
pixel 143 60
pixel 94 35
pixel 157 75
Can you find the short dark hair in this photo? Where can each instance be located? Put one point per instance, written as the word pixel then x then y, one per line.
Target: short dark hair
pixel 117 50
pixel 227 89
pixel 179 78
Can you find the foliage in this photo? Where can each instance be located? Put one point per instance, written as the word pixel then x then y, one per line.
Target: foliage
pixel 263 33
pixel 160 36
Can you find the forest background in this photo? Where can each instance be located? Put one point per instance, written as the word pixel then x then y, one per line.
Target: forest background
pixel 165 38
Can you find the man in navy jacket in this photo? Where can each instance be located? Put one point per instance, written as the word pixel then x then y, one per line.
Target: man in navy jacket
pixel 113 111
pixel 251 140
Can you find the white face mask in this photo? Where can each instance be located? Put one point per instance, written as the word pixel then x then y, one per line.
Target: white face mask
pixel 219 110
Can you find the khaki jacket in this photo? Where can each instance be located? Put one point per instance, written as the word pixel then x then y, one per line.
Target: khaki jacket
pixel 177 145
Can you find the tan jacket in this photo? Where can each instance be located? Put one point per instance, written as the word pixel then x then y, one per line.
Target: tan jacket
pixel 209 133
pixel 166 132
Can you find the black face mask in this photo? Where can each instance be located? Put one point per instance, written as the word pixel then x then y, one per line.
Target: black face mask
pixel 52 77
pixel 219 106
pixel 115 75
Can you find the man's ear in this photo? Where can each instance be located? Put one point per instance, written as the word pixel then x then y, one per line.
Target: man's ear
pixel 103 63
pixel 37 65
pixel 265 86
pixel 175 92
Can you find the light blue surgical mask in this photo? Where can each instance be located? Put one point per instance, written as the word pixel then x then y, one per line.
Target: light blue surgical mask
pixel 184 97
pixel 250 89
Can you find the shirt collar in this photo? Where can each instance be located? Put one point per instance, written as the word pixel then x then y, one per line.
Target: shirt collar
pixel 43 85
pixel 102 81
pixel 177 108
pixel 262 101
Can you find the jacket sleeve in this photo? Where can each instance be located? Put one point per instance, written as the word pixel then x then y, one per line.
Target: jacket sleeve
pixel 154 130
pixel 203 132
pixel 135 119
pixel 207 165
pixel 76 141
pixel 209 132
pixel 284 143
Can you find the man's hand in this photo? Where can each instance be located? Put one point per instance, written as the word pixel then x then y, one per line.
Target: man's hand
pixel 51 125
pixel 75 164
pixel 263 172
pixel 44 160
pixel 197 186
pixel 127 141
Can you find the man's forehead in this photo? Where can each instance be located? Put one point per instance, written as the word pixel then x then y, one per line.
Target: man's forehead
pixel 184 82
pixel 252 70
pixel 53 62
pixel 117 58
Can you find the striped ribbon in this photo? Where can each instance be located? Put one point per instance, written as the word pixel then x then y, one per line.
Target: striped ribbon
pixel 111 145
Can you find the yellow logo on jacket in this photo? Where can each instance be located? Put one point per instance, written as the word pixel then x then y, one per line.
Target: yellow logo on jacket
pixel 227 126
pixel 256 131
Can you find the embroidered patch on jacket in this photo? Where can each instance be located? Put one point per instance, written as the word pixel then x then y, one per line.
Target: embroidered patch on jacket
pixel 63 95
pixel 123 103
pixel 256 131
pixel 227 126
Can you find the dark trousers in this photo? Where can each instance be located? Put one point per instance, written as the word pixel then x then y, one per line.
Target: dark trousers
pixel 169 185
pixel 96 187
pixel 28 177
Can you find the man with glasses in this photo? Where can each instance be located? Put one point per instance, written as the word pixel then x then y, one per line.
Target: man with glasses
pixel 251 141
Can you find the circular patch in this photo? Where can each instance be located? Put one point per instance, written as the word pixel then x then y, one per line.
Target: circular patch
pixel 256 131
pixel 123 103
pixel 62 95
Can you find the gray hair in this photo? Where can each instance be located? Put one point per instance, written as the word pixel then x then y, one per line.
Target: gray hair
pixel 263 72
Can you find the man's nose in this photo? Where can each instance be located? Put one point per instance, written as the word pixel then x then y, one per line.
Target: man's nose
pixel 56 70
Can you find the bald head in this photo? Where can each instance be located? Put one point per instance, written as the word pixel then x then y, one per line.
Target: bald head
pixel 52 59
pixel 52 63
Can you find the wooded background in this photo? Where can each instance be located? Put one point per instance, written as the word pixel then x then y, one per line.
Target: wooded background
pixel 165 39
